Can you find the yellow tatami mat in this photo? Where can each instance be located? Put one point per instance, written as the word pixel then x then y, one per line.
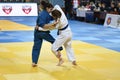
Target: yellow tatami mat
pixel 94 63
pixel 9 25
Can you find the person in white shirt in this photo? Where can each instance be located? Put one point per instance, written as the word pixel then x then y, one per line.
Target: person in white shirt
pixel 64 35
pixel 75 4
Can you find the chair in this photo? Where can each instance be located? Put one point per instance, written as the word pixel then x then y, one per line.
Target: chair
pixel 89 16
pixel 103 15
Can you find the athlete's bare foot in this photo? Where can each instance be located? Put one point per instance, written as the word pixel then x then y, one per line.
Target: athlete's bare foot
pixel 74 63
pixel 60 62
pixel 34 65
pixel 58 55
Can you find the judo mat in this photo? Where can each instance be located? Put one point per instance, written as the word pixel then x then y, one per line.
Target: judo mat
pixel 94 62
pixel 7 25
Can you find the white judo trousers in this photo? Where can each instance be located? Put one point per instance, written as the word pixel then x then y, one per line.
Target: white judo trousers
pixel 64 37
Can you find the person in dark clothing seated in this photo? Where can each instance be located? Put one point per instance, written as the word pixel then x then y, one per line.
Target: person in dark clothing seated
pixel 103 7
pixel 112 8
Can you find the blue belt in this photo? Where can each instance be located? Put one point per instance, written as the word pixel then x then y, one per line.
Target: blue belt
pixel 62 29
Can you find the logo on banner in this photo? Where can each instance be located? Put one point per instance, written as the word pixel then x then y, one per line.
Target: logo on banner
pixel 108 20
pixel 26 9
pixel 7 9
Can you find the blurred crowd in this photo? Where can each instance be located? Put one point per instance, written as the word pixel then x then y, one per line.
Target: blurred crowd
pixel 107 6
pixel 101 6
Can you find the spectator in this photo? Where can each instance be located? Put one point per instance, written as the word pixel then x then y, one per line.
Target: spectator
pixel 103 7
pixel 92 6
pixel 112 8
pixel 75 4
pixel 98 6
pixel 118 8
pixel 68 8
pixel 87 5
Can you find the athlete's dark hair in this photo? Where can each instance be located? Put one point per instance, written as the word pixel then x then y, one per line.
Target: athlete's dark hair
pixel 56 13
pixel 46 5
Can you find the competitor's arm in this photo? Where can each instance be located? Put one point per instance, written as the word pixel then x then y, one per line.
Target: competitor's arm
pixel 50 26
pixel 41 25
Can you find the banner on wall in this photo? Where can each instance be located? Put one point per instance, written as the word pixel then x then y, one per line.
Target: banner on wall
pixel 112 20
pixel 18 9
